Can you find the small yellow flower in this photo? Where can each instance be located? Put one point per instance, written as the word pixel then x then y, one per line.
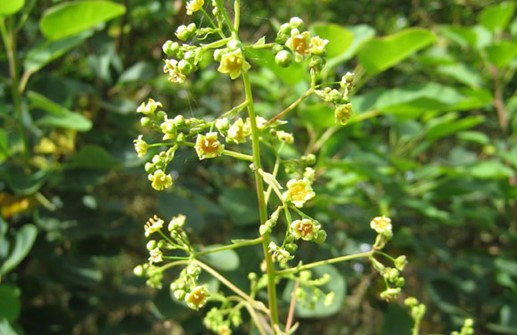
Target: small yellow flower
pixel 169 129
pixel 298 192
pixel 153 225
pixel 149 107
pixel 299 42
pixel 342 113
pixel 140 146
pixel 318 46
pixel 305 229
pixel 194 5
pixel 177 222
pixel 197 298
pixel 160 181
pixel 238 132
pixel 208 146
pixel 233 63
pixel 155 256
pixel 171 68
pixel 285 136
pixel 381 224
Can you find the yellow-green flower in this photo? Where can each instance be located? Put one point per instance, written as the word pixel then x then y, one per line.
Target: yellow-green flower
pixel 342 113
pixel 194 5
pixel 169 129
pixel 160 181
pixel 318 46
pixel 171 68
pixel 153 225
pixel 285 136
pixel 238 132
pixel 197 297
pixel 381 224
pixel 233 63
pixel 149 107
pixel 208 146
pixel 141 146
pixel 155 255
pixel 298 192
pixel 299 42
pixel 305 229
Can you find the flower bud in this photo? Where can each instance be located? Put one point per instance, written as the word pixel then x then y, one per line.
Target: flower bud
pixel 233 45
pixel 296 23
pixel 185 67
pixel 283 58
pixel 182 33
pixel 170 48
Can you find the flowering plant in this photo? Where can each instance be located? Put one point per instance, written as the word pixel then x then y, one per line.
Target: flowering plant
pixel 241 133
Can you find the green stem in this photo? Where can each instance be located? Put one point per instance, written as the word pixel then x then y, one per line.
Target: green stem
pixel 324 262
pixel 255 140
pixel 10 47
pixel 289 108
pixel 255 304
pixel 229 247
pixel 237 18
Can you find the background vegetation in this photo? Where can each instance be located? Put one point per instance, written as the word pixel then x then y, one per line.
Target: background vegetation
pixel 433 143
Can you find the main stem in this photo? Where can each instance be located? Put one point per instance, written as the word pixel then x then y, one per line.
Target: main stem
pixel 270 268
pixel 10 48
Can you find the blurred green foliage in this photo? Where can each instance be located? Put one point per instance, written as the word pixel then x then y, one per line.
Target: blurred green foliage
pixel 433 142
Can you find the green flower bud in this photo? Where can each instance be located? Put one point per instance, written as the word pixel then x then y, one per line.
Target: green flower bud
pixel 296 23
pixel 185 67
pixel 284 58
pixel 170 48
pixel 234 45
pixel 145 121
pixel 182 33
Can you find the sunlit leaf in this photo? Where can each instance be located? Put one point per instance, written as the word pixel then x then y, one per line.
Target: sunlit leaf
pixel 71 18
pixel 340 39
pixel 497 17
pixel 380 54
pixel 502 53
pixel 9 7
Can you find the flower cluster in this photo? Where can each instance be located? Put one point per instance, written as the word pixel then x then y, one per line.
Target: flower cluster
pixel 309 290
pixel 295 43
pixel 231 59
pixel 220 320
pixel 339 98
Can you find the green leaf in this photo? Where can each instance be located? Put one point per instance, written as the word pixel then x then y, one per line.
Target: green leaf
pixel 290 75
pixel 497 17
pixel 10 7
pixel 226 260
pixel 491 169
pixel 409 102
pixel 336 284
pixel 140 71
pixel 71 18
pixel 92 157
pixel 25 238
pixel 396 320
pixel 47 51
pixel 23 182
pixel 463 74
pixel 241 205
pixel 57 116
pixel 464 36
pixel 9 303
pixel 318 115
pixel 380 54
pixel 340 39
pixel 501 54
pixel 450 124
